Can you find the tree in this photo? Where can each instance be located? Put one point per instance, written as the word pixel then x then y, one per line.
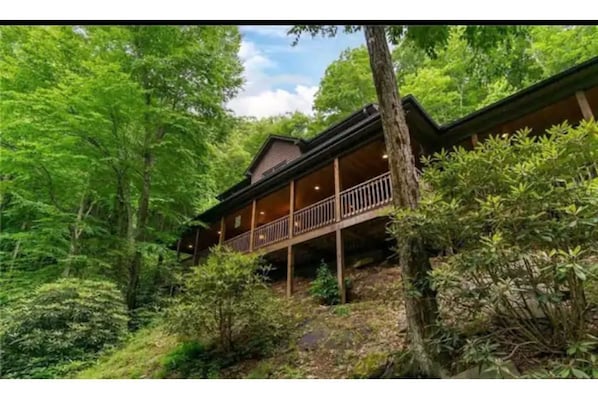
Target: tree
pixel 420 301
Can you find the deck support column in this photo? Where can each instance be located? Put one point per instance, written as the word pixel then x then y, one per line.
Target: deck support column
pixel 290 269
pixel 196 248
pixel 252 228
pixel 340 265
pixel 584 105
pixel 340 247
pixel 178 250
pixel 474 140
pixel 222 231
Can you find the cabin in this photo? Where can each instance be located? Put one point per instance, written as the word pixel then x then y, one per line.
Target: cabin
pixel 329 197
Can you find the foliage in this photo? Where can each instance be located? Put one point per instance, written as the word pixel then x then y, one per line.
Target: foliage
pixel 191 359
pixel 61 322
pixel 581 362
pixel 226 302
pixel 460 77
pixel 517 220
pixel 325 286
pixel 105 135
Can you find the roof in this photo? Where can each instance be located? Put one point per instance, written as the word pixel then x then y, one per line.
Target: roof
pixel 355 129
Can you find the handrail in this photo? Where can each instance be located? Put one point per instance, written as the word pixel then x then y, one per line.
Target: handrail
pixel 363 183
pixel 314 216
pixel 240 242
pixel 365 196
pixel 271 232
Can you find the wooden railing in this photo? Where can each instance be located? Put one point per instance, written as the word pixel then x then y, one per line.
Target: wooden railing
pixel 365 196
pixel 272 232
pixel 239 243
pixel 314 216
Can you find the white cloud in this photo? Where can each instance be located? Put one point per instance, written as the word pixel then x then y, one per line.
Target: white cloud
pixel 275 102
pixel 262 95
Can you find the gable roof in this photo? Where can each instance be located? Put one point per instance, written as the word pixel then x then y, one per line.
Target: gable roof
pixel 266 146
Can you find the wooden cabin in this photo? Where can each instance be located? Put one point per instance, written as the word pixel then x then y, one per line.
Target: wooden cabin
pixel 328 197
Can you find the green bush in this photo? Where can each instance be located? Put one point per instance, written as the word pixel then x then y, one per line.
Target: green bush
pixel 325 286
pixel 226 302
pixel 58 325
pixel 516 221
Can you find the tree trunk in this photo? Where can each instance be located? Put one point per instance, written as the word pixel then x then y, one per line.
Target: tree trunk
pixel 421 308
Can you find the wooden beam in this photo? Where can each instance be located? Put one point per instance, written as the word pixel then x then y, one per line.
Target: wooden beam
pixel 337 190
pixel 252 228
pixel 222 231
pixel 340 265
pixel 584 105
pixel 474 139
pixel 196 248
pixel 290 269
pixel 292 209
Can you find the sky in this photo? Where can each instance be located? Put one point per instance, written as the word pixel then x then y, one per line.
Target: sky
pixel 280 78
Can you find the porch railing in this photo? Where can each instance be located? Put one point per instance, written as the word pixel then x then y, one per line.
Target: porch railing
pixel 272 232
pixel 370 194
pixel 365 196
pixel 314 216
pixel 239 243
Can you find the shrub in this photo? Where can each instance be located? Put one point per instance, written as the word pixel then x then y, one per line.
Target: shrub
pixel 517 222
pixel 325 286
pixel 191 359
pixel 59 324
pixel 227 302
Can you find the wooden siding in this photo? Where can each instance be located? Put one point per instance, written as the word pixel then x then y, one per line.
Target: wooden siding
pixel 279 151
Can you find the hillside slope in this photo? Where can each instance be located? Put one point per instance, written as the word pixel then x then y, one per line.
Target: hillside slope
pixel 343 341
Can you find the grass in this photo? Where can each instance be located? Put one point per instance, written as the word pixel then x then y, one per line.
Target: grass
pixel 142 357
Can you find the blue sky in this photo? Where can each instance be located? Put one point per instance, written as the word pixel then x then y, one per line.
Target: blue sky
pixel 280 78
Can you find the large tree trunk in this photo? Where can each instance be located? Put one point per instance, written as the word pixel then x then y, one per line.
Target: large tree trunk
pixel 421 309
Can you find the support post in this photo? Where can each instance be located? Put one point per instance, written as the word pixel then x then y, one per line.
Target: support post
pixel 292 209
pixel 474 140
pixel 584 105
pixel 290 270
pixel 222 231
pixel 337 191
pixel 196 248
pixel 340 265
pixel 252 228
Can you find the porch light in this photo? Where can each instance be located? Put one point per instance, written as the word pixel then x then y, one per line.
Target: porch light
pixel 296 224
pixel 190 246
pixel 385 156
pixel 316 188
pixel 219 232
pixel 261 237
pixel 262 213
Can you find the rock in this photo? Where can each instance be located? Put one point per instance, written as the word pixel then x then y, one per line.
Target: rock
pixel 312 340
pixel 510 371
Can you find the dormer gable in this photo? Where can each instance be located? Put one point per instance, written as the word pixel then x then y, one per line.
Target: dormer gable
pixel 275 153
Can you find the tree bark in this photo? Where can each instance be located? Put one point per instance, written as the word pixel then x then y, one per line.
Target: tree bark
pixel 421 308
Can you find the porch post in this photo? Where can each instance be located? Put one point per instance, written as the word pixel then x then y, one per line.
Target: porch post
pixel 337 191
pixel 196 248
pixel 584 105
pixel 252 225
pixel 474 140
pixel 222 231
pixel 340 264
pixel 340 248
pixel 290 250
pixel 290 269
